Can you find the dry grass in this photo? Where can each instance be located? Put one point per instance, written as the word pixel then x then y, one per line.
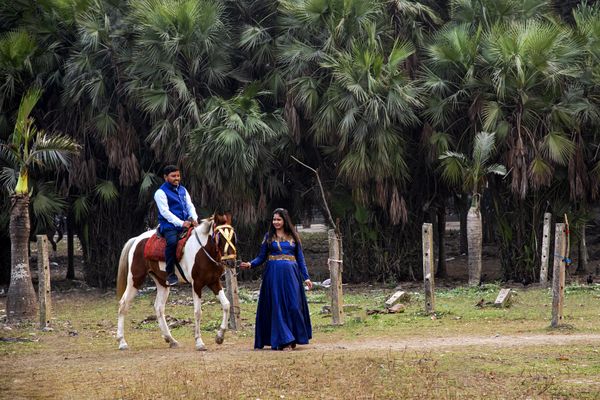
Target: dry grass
pixel 442 359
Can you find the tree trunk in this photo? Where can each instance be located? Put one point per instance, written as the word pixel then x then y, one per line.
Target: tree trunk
pixel 70 248
pixel 474 238
pixel 4 257
pixel 441 243
pixel 21 301
pixel 461 208
pixel 583 260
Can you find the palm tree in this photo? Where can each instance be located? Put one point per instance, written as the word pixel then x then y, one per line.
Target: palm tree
pixel 180 55
pixel 584 181
pixel 511 68
pixel 363 120
pixel 27 151
pixel 472 174
pixel 234 151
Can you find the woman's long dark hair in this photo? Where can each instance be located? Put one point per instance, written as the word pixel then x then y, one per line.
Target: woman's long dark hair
pixel 288 226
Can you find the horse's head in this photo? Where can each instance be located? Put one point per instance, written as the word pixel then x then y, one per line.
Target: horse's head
pixel 225 238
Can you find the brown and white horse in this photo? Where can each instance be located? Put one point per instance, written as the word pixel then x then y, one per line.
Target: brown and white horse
pixel 211 245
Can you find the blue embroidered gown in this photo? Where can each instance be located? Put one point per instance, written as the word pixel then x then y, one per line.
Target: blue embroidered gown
pixel 282 316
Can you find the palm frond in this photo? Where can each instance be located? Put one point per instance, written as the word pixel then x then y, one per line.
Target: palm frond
pixel 10 154
pixel 52 151
pixel 483 146
pixel 8 178
pixel 400 52
pixel 107 192
pixel 28 101
pixel 540 172
pixel 46 203
pixel 557 147
pixel 81 208
pixel 453 167
pixel 497 169
pixel 149 182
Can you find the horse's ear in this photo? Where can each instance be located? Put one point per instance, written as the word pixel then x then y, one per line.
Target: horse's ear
pixel 229 217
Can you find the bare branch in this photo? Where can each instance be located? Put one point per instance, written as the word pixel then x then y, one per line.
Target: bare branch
pixel 322 193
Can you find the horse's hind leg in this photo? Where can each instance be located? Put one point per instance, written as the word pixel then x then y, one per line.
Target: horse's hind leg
pixel 124 304
pixel 162 294
pixel 200 346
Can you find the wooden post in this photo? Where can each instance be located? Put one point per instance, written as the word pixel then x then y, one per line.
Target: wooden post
pixel 558 278
pixel 428 268
pixel 44 281
pixel 545 249
pixel 335 272
pixel 231 283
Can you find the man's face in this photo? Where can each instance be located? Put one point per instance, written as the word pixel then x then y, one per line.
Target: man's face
pixel 173 178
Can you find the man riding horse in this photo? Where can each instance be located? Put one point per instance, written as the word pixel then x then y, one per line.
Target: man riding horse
pixel 176 213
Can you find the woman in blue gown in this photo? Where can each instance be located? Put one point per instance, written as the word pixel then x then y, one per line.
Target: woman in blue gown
pixel 282 316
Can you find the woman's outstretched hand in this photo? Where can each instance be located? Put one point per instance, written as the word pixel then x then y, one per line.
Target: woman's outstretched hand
pixel 308 283
pixel 245 265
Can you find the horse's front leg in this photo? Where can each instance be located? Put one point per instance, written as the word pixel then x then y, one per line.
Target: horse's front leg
pixel 162 294
pixel 200 346
pixel 225 305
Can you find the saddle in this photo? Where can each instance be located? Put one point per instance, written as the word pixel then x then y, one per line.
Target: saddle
pixel 154 250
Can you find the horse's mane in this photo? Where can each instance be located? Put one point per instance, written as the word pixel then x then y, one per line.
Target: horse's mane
pixel 204 228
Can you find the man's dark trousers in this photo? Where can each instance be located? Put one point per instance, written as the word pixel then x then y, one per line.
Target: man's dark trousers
pixel 171 235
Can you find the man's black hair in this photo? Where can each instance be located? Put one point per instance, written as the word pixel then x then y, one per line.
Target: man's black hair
pixel 170 168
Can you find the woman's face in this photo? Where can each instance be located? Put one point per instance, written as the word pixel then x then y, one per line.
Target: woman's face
pixel 277 221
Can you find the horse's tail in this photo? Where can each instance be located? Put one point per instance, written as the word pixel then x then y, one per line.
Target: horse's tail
pixel 123 268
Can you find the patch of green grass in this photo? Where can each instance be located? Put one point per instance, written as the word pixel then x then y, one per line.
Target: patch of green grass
pixel 82 348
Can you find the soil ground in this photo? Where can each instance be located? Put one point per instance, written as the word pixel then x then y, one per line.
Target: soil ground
pixel 70 363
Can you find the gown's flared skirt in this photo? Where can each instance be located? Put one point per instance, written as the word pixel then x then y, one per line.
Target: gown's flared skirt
pixel 282 316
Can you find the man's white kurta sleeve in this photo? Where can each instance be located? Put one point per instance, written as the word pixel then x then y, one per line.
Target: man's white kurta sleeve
pixel 190 206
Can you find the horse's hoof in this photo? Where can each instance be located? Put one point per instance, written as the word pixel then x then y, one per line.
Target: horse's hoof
pixel 173 345
pixel 123 346
pixel 219 339
pixel 201 348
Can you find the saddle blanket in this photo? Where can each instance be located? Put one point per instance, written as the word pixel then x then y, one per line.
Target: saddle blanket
pixel 154 250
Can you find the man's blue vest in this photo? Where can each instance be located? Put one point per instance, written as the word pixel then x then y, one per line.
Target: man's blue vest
pixel 177 205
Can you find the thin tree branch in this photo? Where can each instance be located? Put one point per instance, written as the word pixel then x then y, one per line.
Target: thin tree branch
pixel 322 193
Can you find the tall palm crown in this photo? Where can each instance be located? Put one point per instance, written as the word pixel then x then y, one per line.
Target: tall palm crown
pixel 348 81
pixel 180 54
pixel 234 152
pixel 30 148
pixel 471 172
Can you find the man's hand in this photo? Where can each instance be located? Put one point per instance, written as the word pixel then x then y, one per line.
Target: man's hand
pixel 194 223
pixel 186 224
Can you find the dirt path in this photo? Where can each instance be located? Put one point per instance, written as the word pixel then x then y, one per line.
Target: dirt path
pixel 388 343
pixel 500 341
pixel 107 373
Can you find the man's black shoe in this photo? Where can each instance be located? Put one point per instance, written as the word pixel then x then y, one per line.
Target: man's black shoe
pixel 172 280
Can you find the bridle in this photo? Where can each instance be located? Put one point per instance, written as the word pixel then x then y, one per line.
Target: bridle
pixel 226 232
